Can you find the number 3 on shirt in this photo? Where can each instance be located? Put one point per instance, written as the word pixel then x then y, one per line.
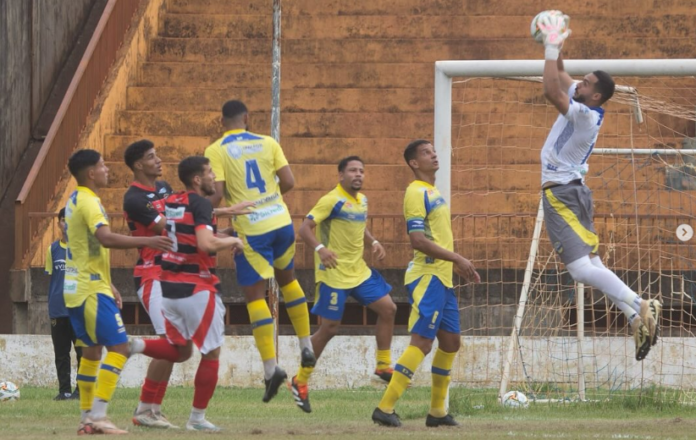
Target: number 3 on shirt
pixel 253 176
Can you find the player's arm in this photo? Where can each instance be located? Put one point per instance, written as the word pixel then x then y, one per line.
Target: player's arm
pixel 113 240
pixel 565 79
pixel 554 36
pixel 241 208
pixel 376 246
pixel 209 243
pixel 328 257
pixel 216 163
pixel 117 296
pixel 462 266
pixel 286 180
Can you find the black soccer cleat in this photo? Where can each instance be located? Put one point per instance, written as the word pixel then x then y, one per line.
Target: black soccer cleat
pixel 272 384
pixel 308 360
pixel 383 419
pixel 434 422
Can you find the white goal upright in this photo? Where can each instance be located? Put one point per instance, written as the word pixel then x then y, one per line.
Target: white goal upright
pixel 528 326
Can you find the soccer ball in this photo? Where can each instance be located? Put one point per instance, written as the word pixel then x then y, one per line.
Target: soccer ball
pixel 534 27
pixel 8 391
pixel 515 399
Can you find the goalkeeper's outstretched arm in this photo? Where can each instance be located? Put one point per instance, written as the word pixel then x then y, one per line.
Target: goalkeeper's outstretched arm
pixel 554 36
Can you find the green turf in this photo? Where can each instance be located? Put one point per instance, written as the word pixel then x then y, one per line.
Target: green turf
pixel 344 414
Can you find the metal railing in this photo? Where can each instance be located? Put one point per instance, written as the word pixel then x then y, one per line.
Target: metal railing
pixel 40 187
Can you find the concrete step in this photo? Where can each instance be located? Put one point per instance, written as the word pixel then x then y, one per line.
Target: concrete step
pixel 217 26
pixel 578 10
pixel 293 75
pixel 297 150
pixel 225 7
pixel 331 26
pixel 377 125
pixel 228 51
pixel 329 100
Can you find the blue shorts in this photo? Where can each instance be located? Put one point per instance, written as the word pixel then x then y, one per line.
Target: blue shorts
pixel 433 307
pixel 330 303
pixel 263 253
pixel 98 322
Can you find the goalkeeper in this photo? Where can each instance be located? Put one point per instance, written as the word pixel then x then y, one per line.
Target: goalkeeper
pixel 568 205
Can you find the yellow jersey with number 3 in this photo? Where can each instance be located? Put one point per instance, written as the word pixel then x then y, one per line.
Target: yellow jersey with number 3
pixel 247 163
pixel 341 221
pixel 87 262
pixel 426 211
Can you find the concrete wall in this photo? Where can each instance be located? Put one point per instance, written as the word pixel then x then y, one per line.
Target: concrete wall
pixel 36 37
pixel 348 362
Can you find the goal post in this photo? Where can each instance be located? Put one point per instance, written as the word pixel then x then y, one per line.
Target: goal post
pixel 623 163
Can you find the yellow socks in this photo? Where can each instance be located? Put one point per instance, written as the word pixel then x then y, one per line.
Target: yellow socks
pixel 303 375
pixel 403 372
pixel 262 328
pixel 106 382
pixel 442 365
pixel 296 305
pixel 86 381
pixel 383 359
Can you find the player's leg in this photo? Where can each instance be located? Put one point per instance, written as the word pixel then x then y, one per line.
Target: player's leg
pixel 293 295
pixel 81 321
pixel 568 217
pixel 177 346
pixel 374 293
pixel 78 355
pixel 61 333
pixel 254 268
pixel 111 333
pixel 208 337
pixel 154 386
pixel 427 303
pixel 449 341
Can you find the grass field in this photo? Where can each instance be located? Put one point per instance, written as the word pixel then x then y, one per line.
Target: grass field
pixel 345 414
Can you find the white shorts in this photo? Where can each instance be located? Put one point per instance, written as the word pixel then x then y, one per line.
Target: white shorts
pixel 199 318
pixel 150 295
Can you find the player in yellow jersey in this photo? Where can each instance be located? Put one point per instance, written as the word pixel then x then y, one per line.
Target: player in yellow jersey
pixel 434 309
pixel 93 302
pixel 340 271
pixel 252 167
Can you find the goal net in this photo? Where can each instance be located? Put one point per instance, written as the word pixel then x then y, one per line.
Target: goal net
pixel 528 326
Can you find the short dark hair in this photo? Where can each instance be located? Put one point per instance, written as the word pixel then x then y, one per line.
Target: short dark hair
pixel 191 167
pixel 136 151
pixel 605 85
pixel 61 214
pixel 344 162
pixel 232 109
pixel 412 149
pixel 82 159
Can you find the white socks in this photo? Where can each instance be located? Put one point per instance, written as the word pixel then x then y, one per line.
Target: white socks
pixel 269 367
pixel 306 342
pixel 593 273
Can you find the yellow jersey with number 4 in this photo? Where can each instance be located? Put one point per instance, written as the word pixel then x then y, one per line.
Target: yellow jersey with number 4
pixel 247 163
pixel 426 211
pixel 87 262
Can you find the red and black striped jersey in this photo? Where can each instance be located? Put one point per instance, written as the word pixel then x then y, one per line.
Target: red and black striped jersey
pixel 186 269
pixel 142 208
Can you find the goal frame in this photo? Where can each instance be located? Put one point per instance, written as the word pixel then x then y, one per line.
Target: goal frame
pixel 445 71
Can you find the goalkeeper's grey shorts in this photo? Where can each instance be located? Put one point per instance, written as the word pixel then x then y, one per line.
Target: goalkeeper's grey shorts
pixel 568 214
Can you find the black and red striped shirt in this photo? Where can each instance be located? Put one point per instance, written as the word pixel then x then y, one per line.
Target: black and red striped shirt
pixel 142 208
pixel 186 269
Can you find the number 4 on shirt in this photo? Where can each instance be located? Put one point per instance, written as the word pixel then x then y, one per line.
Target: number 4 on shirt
pixel 253 176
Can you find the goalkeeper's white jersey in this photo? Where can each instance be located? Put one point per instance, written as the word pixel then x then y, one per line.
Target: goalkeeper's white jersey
pixel 570 142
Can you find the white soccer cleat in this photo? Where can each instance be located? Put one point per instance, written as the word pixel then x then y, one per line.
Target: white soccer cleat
pixel 148 419
pixel 202 426
pixel 105 426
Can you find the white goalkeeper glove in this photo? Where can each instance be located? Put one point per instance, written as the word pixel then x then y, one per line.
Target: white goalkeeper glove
pixel 555 30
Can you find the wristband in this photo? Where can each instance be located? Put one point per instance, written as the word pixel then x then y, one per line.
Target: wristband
pixel 375 242
pixel 319 246
pixel 551 53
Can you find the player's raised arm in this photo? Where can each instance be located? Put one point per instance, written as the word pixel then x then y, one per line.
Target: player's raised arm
pixel 554 30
